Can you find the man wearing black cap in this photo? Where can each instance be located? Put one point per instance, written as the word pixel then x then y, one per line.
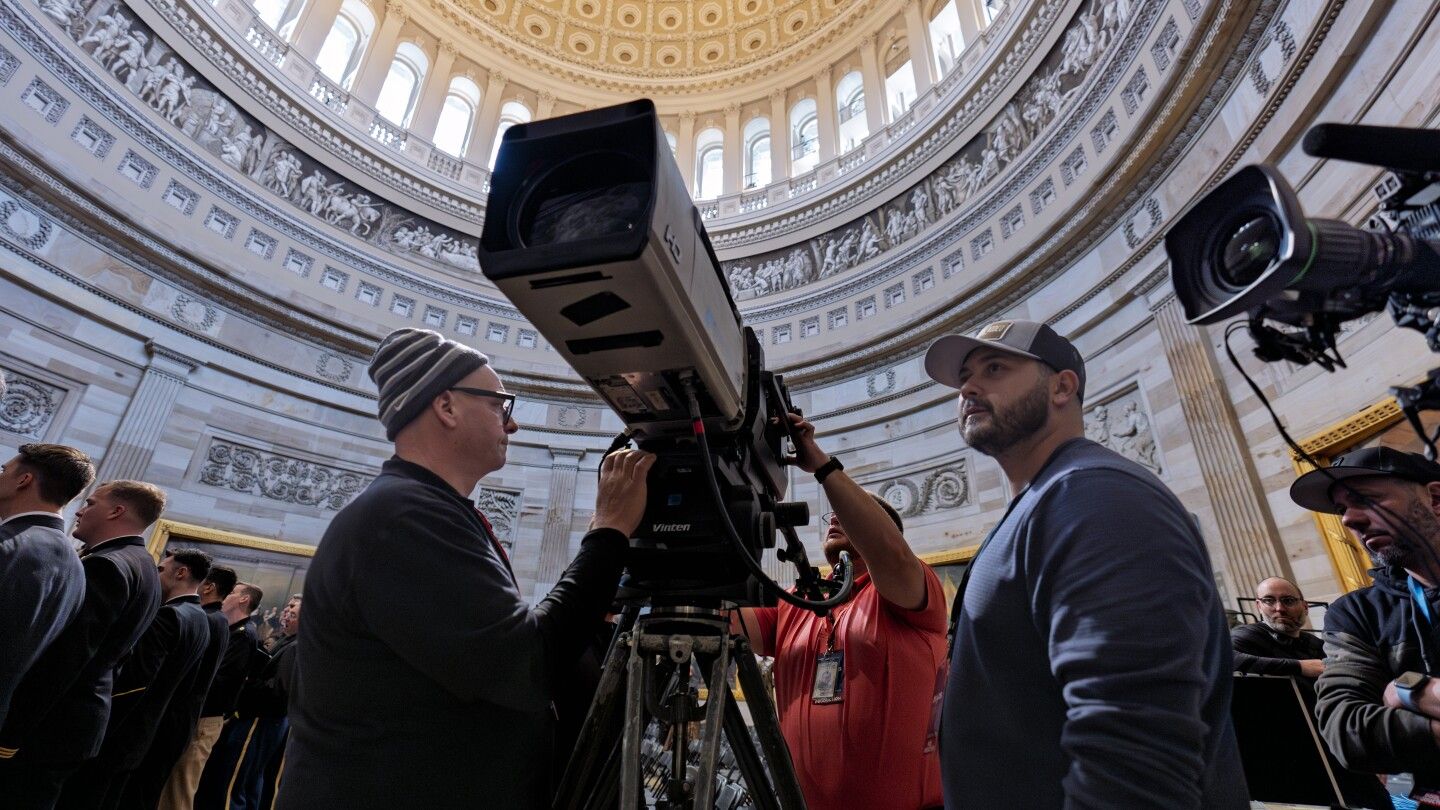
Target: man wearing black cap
pixel 423 677
pixel 1058 666
pixel 1379 709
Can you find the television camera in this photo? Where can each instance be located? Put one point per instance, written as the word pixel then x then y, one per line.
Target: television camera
pixel 1247 248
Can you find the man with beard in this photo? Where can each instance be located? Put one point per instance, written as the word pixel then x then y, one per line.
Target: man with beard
pixel 1379 708
pixel 855 689
pixel 1058 667
pixel 1278 644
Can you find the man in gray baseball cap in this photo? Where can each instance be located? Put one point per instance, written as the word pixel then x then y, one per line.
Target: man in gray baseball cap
pixel 1104 709
pixel 1378 701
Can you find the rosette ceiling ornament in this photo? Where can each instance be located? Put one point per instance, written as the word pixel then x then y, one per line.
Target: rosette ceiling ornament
pixel 677 43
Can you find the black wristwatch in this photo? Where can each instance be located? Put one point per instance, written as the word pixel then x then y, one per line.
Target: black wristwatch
pixel 1407 685
pixel 828 467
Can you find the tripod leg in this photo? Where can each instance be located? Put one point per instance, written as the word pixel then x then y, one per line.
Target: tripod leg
pixel 595 745
pixel 747 759
pixel 767 728
pixel 715 703
pixel 634 728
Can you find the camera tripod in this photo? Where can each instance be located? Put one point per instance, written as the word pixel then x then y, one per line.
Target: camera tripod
pixel 647 676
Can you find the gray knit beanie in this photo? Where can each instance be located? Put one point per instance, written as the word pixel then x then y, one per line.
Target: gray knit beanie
pixel 411 367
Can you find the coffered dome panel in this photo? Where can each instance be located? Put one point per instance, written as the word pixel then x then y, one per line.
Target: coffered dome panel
pixel 662 38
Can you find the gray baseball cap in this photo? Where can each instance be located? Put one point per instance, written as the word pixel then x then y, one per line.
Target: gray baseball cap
pixel 1031 339
pixel 1312 490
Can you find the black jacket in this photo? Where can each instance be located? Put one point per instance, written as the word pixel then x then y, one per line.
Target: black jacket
pixel 59 711
pixel 267 692
pixel 422 677
pixel 164 666
pixel 42 587
pixel 1373 635
pixel 1261 650
pixel 242 658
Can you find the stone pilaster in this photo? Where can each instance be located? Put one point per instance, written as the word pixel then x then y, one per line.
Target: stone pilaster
pixel 133 445
pixel 1247 529
pixel 555 539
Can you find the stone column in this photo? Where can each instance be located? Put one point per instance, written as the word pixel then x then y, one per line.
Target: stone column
pixel 734 150
pixel 825 112
pixel 555 540
pixel 1247 529
pixel 685 149
pixel 133 445
pixel 489 118
pixel 546 107
pixel 376 65
pixel 316 20
pixel 922 61
pixel 432 98
pixel 779 137
pixel 875 105
pixel 971 21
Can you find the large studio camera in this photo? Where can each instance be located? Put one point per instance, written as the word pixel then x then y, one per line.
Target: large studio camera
pixel 1247 248
pixel 590 231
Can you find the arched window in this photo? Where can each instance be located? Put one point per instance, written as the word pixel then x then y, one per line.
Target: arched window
pixel 850 107
pixel 945 37
pixel 457 116
pixel 900 89
pixel 709 164
pixel 402 84
pixel 757 153
pixel 340 55
pixel 804 136
pixel 991 9
pixel 512 113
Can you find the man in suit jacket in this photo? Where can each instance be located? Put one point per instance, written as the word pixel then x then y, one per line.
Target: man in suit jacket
pixel 58 715
pixel 178 725
pixel 41 582
pixel 163 666
pixel 242 658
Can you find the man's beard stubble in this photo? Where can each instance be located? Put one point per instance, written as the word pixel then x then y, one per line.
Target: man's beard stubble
pixel 1420 527
pixel 1006 428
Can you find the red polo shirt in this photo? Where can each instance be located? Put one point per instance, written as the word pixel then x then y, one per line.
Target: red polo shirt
pixel 869 749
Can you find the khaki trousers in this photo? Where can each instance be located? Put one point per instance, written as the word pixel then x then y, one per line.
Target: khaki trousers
pixel 185 778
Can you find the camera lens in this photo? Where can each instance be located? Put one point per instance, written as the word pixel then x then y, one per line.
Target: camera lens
pixel 587 196
pixel 1252 245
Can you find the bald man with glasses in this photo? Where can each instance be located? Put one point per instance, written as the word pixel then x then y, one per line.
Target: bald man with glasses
pixel 1278 643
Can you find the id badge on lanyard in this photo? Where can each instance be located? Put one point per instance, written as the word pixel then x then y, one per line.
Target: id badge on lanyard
pixel 829 686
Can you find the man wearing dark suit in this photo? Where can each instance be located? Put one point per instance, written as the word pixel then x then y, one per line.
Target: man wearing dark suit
pixel 242 657
pixel 178 724
pixel 59 711
pixel 41 581
pixel 163 664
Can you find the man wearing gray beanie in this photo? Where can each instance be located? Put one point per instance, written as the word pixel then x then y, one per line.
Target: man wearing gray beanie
pixel 423 678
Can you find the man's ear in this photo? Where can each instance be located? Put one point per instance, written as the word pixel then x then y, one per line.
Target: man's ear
pixel 1065 384
pixel 25 479
pixel 443 406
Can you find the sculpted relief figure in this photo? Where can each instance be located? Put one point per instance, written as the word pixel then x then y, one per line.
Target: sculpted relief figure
pixel 1134 438
pixel 869 240
pixel 1097 426
pixel 235 148
pixel 63 12
pixel 131 58
pixel 895 226
pixel 102 35
pixel 920 206
pixel 280 176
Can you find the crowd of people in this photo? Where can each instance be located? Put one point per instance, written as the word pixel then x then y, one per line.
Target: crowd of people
pixel 1086 660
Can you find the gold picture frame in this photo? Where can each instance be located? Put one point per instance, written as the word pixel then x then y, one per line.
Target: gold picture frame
pixel 1350 561
pixel 950 567
pixel 277 567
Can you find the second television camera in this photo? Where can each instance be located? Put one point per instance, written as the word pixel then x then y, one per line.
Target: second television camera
pixel 590 231
pixel 1247 248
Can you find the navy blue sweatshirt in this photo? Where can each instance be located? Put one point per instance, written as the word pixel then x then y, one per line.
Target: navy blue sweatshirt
pixel 1091 666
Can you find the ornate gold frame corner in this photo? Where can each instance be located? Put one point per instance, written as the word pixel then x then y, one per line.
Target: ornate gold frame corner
pixel 165 530
pixel 951 556
pixel 1349 560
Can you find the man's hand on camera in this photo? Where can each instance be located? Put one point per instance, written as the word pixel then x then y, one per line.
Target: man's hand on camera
pixel 620 503
pixel 808 455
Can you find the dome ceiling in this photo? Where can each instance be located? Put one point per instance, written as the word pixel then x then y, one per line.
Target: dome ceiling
pixel 681 40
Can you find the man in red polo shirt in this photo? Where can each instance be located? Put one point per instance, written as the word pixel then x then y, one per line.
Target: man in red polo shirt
pixel 856 690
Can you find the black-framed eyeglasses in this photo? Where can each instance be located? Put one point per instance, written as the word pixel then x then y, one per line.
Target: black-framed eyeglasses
pixel 828 518
pixel 507 400
pixel 1272 601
